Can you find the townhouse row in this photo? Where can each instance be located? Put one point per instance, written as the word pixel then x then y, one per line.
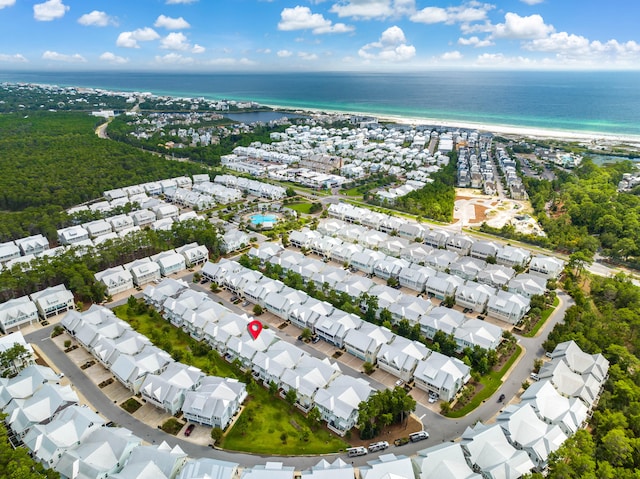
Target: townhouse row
pixel 143 368
pixel 401 357
pixel 317 382
pixel 40 305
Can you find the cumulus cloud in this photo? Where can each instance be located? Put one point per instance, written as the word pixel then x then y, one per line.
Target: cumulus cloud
pixel 6 3
pixel 465 14
pixel 16 58
pixel 301 18
pixel 307 56
pixel 113 58
pixel 197 49
pixel 524 28
pixel 284 53
pixel 451 56
pixel 370 9
pixel 174 59
pixel 61 57
pixel 499 59
pixel 175 41
pixel 577 47
pixel 49 10
pixel 475 42
pixel 171 23
pixel 392 46
pixel 131 39
pixel 96 19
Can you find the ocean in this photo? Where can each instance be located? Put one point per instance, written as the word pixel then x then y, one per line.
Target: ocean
pixel 599 102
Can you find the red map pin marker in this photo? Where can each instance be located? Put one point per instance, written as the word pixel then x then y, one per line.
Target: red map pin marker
pixel 255 328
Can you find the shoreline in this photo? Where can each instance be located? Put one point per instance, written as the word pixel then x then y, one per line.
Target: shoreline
pixel 593 137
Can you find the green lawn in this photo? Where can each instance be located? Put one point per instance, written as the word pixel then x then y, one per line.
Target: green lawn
pixel 302 207
pixel 352 192
pixel 261 425
pixel 172 426
pixel 264 418
pixel 491 383
pixel 543 319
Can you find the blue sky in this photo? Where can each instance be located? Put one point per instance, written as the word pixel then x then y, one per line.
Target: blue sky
pixel 318 35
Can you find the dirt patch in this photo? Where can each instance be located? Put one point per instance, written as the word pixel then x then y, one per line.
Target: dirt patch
pixel 389 434
pixel 480 214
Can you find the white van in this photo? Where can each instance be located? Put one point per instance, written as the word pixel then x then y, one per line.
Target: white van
pixel 356 451
pixel 378 446
pixel 418 436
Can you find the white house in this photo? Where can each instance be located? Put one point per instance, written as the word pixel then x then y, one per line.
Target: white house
pixel 338 402
pixel 441 319
pixel 474 296
pixel 474 332
pixel 444 461
pixel 53 300
pixel 509 307
pixel 143 271
pixel 72 235
pixel 215 402
pixel 388 466
pixel 36 244
pixel 442 375
pixel 365 342
pixel 401 356
pixel 528 285
pixel 116 279
pixel 16 312
pixel 9 251
pixel 167 389
pixel 546 266
pixel 170 262
pixel 194 253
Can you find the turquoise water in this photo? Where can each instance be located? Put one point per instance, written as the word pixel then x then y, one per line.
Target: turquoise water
pixel 259 219
pixel 585 101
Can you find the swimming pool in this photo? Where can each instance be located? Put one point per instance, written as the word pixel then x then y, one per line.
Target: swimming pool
pixel 263 220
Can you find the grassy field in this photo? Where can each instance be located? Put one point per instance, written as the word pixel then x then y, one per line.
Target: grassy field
pixel 264 423
pixel 543 319
pixel 491 383
pixel 264 419
pixel 301 207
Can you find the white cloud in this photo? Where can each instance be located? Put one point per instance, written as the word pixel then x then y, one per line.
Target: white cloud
pixel 308 56
pixel 198 49
pixel 49 10
pixel 173 59
pixel 392 46
pixel 465 14
pixel 171 23
pixel 524 28
pixel 6 3
pixel 284 53
pixel 131 39
pixel 175 41
pixel 451 56
pixel 61 57
pixel 96 19
pixel 265 51
pixel 370 9
pixel 576 47
pixel 113 58
pixel 16 58
pixel 532 2
pixel 475 42
pixel 301 18
pixel 499 59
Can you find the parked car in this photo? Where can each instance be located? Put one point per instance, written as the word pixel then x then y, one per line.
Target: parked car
pixel 189 429
pixel 501 398
pixel 401 441
pixel 315 339
pixel 399 382
pixel 418 436
pixel 433 397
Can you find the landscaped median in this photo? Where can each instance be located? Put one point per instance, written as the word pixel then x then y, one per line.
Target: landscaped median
pixel 267 424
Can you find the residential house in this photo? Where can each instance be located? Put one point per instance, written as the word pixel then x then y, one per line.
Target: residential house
pixel 460 244
pixel 243 348
pixel 513 256
pixel 333 328
pixel 157 462
pixel 474 296
pixel 170 262
pixel 97 228
pixel 442 375
pixel 265 251
pixel 269 365
pixel 308 376
pixel 496 275
pixel 53 300
pixel 442 285
pixel 488 450
pixel 401 356
pixel 131 370
pixel 101 453
pixel 72 235
pixel 365 342
pixel 442 319
pixel 19 362
pixel 393 246
pixel 339 469
pixel 215 402
pixel 444 461
pixel 467 268
pixel 165 211
pixel 474 332
pixel 121 222
pixel 26 383
pixel 411 308
pixel 143 271
pixel 440 260
pixel 528 285
pixel 234 240
pixel 524 430
pixel 270 470
pixel 354 285
pixel 388 466
pixel 157 294
pixel 208 468
pixel 116 279
pixel 390 267
pixel 484 250
pixel 8 251
pixel 167 389
pixel 509 307
pixel 217 272
pixel 546 266
pixel 142 217
pixel 16 312
pixel 36 244
pixel 580 362
pixel 436 238
pixel 338 402
pixel 194 254
pixel 416 253
pixel 415 277
pixel 412 231
pixel 344 252
pixel 306 315
pixel 569 383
